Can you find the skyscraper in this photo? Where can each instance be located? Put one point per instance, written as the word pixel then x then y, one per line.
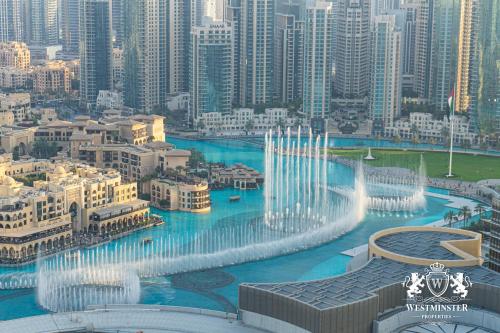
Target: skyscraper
pixel 443 59
pixel 70 25
pixel 410 7
pixel 214 9
pixel 467 43
pixel 96 72
pixel 352 57
pixel 435 50
pixel 318 59
pixel 423 41
pixel 232 16
pixel 182 16
pixel 488 81
pixel 386 78
pixel 211 69
pixel 145 80
pixel 117 22
pixel 289 58
pixel 257 40
pixel 11 24
pixel 43 23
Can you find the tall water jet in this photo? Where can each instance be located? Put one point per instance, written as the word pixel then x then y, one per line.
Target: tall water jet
pixel 300 211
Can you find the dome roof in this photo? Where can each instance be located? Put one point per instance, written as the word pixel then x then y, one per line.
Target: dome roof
pixel 59 170
pixel 8 180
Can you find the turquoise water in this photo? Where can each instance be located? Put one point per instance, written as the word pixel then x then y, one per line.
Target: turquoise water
pixel 217 289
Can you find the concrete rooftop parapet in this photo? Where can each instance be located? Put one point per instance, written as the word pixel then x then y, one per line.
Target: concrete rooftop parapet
pixel 466 250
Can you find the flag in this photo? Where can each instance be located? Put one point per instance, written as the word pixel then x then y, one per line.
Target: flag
pixel 451 100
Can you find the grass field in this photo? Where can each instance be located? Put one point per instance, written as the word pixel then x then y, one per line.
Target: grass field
pixel 465 167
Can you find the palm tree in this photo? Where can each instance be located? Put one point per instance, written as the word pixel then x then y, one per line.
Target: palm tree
pixel 480 209
pixel 449 217
pixel 465 214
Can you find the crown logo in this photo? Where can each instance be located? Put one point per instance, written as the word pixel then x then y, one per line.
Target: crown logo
pixel 437 267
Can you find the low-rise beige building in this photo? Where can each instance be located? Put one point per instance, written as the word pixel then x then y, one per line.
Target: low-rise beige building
pixel 138 130
pixel 12 138
pixel 189 195
pixel 6 118
pixel 18 103
pixel 238 176
pixel 14 54
pixel 133 162
pixel 53 76
pixel 12 77
pixel 72 198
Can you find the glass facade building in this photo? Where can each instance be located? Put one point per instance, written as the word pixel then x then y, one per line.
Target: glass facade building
pixel 96 70
pixel 11 24
pixel 386 82
pixel 318 59
pixel 145 55
pixel 211 69
pixel 257 46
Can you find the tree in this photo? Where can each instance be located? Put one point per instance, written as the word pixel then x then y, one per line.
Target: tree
pixel 249 125
pixel 15 154
pixel 480 210
pixel 196 159
pixel 397 139
pixel 465 214
pixel 449 217
pixel 200 124
pixel 281 124
pixel 43 150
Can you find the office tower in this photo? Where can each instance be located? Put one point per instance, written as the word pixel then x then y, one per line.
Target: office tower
pixel 11 24
pixel 257 40
pixel 145 80
pixel 380 7
pixel 70 38
pixel 410 8
pixel 43 22
pixel 96 70
pixel 467 44
pixel 117 22
pixel 211 69
pixel 352 57
pixel 488 82
pixel 318 59
pixel 214 9
pixel 197 11
pixel 443 59
pixel 182 16
pixel 289 57
pixel 386 64
pixel 232 16
pixel 423 40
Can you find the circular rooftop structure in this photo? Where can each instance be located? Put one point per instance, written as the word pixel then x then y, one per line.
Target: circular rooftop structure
pixel 426 245
pixel 8 180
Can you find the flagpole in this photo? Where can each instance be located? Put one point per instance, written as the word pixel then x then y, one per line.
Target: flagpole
pixel 451 135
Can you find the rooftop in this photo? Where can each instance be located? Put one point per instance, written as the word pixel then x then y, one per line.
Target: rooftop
pixel 129 318
pixel 420 244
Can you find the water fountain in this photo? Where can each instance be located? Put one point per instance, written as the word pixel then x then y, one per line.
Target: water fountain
pixel 301 210
pixel 391 191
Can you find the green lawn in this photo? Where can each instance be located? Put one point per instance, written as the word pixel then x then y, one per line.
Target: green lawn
pixel 465 167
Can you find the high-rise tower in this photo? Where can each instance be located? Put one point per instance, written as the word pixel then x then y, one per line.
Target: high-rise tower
pixel 145 78
pixel 352 50
pixel 318 59
pixel 257 46
pixel 96 72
